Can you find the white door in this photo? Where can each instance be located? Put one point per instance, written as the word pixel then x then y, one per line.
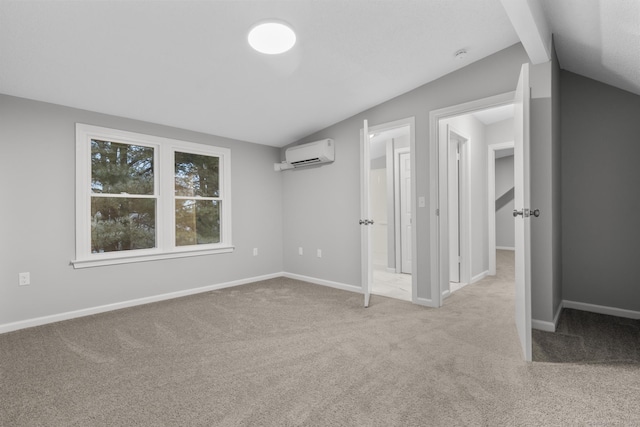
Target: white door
pixel 522 209
pixel 365 221
pixel 454 207
pixel 404 160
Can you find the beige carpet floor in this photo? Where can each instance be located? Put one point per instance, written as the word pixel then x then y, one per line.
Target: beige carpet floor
pixel 287 353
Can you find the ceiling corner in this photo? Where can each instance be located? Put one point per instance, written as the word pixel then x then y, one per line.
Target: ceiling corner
pixel 531 26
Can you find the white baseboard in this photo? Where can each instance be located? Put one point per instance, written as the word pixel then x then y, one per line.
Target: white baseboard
pixel 611 311
pixel 479 277
pixel 505 248
pixel 593 308
pixel 337 285
pixel 427 302
pixel 38 321
pixel 547 326
pixel 543 325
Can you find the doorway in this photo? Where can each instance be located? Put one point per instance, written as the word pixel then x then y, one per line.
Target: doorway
pixel 500 179
pixel 388 257
pixel 470 220
pixel 440 288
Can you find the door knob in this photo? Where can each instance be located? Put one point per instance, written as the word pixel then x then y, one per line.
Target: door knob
pixel 526 213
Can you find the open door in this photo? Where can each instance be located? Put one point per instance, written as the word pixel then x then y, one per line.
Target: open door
pixel 522 212
pixel 365 222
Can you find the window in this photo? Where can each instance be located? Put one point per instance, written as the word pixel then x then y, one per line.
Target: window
pixel 140 197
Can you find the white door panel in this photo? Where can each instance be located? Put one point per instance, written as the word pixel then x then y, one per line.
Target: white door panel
pixel 523 221
pixel 365 229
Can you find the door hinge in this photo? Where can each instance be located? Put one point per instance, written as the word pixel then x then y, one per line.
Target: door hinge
pixel 437 212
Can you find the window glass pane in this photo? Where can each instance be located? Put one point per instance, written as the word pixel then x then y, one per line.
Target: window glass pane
pixel 196 175
pixel 122 223
pixel 197 222
pixel 121 168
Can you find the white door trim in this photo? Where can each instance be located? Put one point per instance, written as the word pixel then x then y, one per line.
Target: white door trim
pixel 464 206
pixel 438 224
pixel 396 205
pixel 491 195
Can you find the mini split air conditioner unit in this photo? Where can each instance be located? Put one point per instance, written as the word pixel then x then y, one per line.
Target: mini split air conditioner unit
pixel 313 153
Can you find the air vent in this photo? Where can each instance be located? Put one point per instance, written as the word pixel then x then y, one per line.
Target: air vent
pixel 306 162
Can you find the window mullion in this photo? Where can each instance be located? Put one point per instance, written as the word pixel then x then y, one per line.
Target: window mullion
pixel 165 190
pixel 197 198
pixel 125 195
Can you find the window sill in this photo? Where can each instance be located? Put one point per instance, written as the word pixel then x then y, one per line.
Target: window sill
pixel 97 262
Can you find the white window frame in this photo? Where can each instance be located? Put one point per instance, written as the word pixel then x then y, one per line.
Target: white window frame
pixel 164 178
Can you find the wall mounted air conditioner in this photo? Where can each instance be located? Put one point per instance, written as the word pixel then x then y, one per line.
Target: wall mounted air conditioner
pixel 313 153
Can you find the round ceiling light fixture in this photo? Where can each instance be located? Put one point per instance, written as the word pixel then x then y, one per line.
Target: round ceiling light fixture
pixel 271 37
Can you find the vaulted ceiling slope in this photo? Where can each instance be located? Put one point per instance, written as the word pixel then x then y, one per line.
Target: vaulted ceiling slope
pixel 187 63
pixel 599 39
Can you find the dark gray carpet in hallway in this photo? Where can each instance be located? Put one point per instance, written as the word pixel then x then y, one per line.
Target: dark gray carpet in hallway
pixel 587 337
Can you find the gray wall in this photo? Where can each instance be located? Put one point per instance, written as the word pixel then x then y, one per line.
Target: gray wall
pixel 322 205
pixel 546 256
pixel 316 207
pixel 600 193
pixel 37 226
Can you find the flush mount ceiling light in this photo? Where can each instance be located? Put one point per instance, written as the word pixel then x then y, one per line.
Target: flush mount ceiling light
pixel 271 37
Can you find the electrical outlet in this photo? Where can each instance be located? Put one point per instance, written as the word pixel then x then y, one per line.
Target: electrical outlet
pixel 319 253
pixel 300 251
pixel 24 279
pixel 255 251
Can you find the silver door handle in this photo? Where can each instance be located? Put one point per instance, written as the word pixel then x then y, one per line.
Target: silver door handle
pixel 526 213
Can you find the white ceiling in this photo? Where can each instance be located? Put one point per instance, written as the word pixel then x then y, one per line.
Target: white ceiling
pixel 187 64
